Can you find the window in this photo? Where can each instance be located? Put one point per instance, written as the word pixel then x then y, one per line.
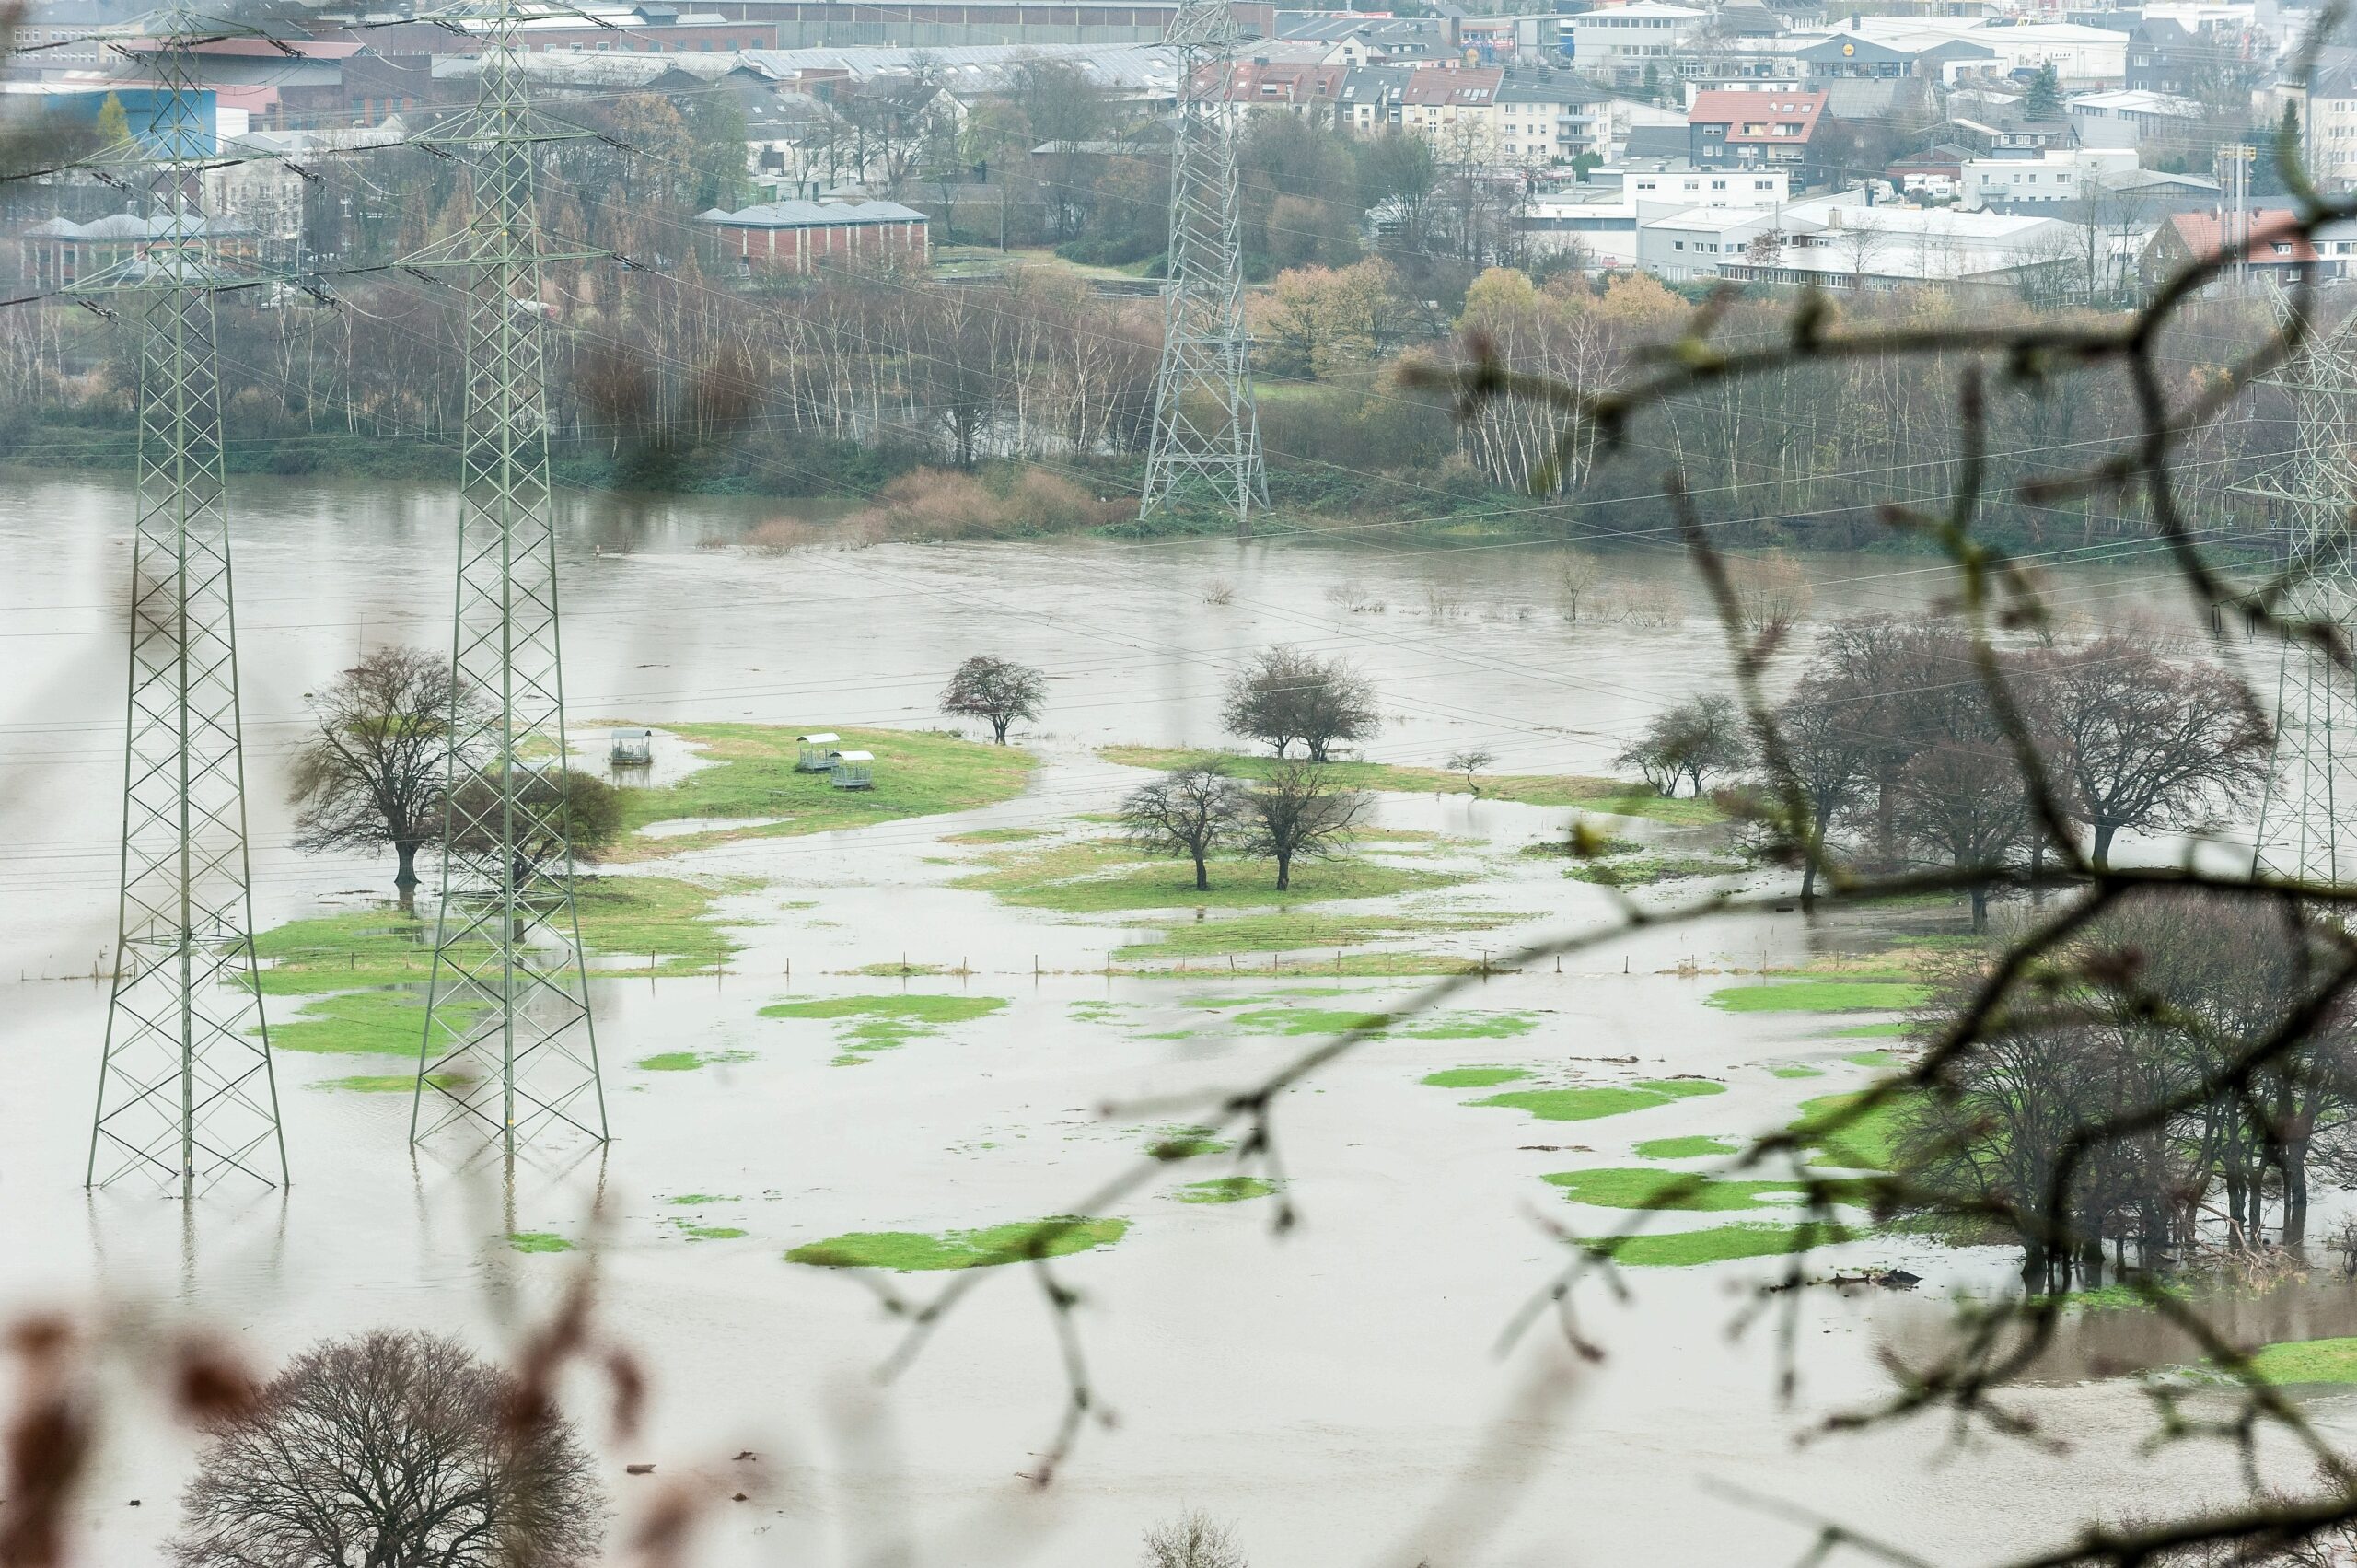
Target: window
pixel 1677 245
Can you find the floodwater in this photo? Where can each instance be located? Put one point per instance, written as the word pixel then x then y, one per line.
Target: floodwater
pixel 1340 1393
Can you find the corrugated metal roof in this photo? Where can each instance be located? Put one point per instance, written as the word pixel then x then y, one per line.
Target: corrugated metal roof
pixel 811 214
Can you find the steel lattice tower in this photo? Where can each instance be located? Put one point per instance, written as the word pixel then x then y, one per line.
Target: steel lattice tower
pixel 508 1044
pixel 2315 726
pixel 1207 427
pixel 185 1091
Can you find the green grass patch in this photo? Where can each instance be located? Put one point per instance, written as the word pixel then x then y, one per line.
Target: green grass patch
pixel 710 1231
pixel 1614 797
pixel 867 1024
pixel 1186 1143
pixel 626 916
pixel 751 775
pixel 995 836
pixel 1226 1189
pixel 1692 1148
pixel 910 1250
pixel 1473 1077
pixel 1794 1070
pixel 1306 1021
pixel 340 952
pixel 1721 1244
pixel 1867 1144
pixel 667 921
pixel 1597 847
pixel 1471 1026
pixel 365 1023
pixel 689 1060
pixel 1642 1186
pixel 1820 996
pixel 1872 1059
pixel 389 1083
pixel 2308 1361
pixel 1645 870
pixel 1108 876
pixel 1310 934
pixel 538 1242
pixel 1889 1029
pixel 1590 1104
pixel 697 1200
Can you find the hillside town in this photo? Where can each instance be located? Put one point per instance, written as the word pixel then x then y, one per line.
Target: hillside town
pixel 2057 155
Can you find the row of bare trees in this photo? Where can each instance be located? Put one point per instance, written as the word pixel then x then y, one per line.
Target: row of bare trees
pixel 2130 1026
pixel 1904 757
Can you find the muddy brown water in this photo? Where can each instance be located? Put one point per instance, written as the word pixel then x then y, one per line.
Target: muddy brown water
pixel 1341 1394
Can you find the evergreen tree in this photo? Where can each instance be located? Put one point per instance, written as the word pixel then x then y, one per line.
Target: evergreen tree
pixel 2044 100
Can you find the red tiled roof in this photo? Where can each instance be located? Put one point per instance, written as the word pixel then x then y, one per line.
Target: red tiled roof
pixel 1280 81
pixel 1739 111
pixel 1437 85
pixel 2268 226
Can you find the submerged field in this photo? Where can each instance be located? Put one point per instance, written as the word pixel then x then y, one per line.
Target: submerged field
pixel 859 1050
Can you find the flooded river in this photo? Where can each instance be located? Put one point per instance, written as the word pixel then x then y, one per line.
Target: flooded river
pixel 1340 1393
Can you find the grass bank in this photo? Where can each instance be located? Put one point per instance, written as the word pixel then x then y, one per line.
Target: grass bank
pixel 751 775
pixel 1108 876
pixel 1613 798
pixel 362 974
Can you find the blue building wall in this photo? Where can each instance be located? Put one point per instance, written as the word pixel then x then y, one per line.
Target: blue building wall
pixel 156 120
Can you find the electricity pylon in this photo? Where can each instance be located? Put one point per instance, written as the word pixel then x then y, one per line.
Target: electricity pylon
pixel 508 1047
pixel 2315 773
pixel 185 1091
pixel 1207 427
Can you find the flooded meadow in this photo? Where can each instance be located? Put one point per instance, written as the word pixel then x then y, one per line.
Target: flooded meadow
pixel 852 1051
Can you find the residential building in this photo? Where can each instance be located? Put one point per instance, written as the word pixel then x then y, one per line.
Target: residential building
pixel 1552 117
pixel 2168 57
pixel 1614 44
pixel 804 236
pixel 2008 134
pixel 2052 178
pixel 2329 110
pixel 1454 109
pixel 1749 130
pixel 2275 253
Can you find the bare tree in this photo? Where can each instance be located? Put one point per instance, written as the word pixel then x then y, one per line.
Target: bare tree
pixel 1299 810
pixel 1959 804
pixel 996 689
pixel 1831 766
pixel 1699 736
pixel 373 775
pixel 2144 744
pixel 391 1450
pixel 1576 576
pixel 1282 695
pixel 1471 762
pixel 1190 811
pixel 1194 1540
